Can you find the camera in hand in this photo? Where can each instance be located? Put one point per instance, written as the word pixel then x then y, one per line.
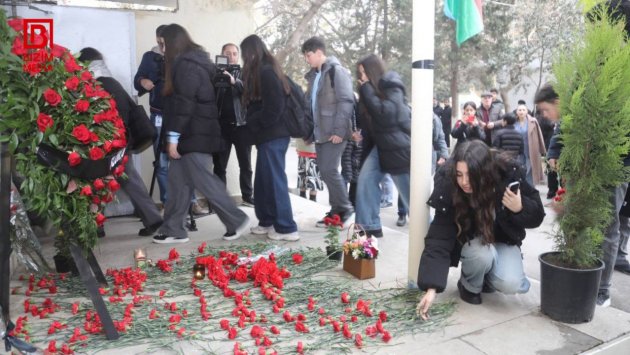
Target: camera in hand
pixel 222 80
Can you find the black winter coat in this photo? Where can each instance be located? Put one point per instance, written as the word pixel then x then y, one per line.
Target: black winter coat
pixel 265 116
pixel 509 139
pixel 442 248
pixel 192 110
pixel 464 131
pixel 389 123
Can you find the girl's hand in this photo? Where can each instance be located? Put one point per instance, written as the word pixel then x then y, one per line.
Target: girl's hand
pixel 172 151
pixel 512 201
pixel 425 303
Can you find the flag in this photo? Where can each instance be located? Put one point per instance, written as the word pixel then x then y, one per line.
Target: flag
pixel 468 16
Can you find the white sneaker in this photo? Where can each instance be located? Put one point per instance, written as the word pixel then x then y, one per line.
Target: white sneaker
pixel 239 230
pixel 283 236
pixel 260 230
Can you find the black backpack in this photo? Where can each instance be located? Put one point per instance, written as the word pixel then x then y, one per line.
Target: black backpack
pixel 296 115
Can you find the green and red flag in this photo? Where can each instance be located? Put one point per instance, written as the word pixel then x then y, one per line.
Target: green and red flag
pixel 468 15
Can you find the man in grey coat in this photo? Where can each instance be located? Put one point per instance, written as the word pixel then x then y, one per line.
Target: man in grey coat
pixel 331 99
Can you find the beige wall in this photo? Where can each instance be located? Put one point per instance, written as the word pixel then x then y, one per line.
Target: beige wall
pixel 210 24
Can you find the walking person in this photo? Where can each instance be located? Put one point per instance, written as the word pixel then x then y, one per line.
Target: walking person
pixel 330 98
pixel 479 221
pixel 387 119
pixel 193 134
pixel 533 145
pixel 264 96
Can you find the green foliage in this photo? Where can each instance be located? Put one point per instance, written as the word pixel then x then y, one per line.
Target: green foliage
pixel 593 83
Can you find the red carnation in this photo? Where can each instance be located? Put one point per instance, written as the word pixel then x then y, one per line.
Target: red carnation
pixel 32 68
pixel 86 191
pixel 71 64
pixel 113 185
pixel 81 133
pixel 99 184
pixel 232 333
pixel 275 330
pixel 119 170
pixel 72 83
pixel 225 324
pixel 100 219
pixel 300 347
pixel 97 153
pixel 107 146
pixel 386 336
pixel 358 340
pixel 18 46
pixel 297 258
pixel 52 97
pixel 74 159
pixel 345 298
pixel 44 121
pixel 82 106
pixel 16 24
pixel 119 143
pixel 86 76
pixel 382 316
pixel 58 51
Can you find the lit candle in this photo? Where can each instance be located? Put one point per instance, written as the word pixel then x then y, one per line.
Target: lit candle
pixel 199 271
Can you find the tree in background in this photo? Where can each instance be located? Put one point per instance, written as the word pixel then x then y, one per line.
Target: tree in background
pixel 351 28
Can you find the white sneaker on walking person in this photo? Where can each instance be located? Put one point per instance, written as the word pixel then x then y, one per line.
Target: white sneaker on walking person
pixel 260 230
pixel 293 236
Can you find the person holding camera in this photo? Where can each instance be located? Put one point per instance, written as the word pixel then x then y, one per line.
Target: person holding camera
pixel 468 127
pixel 483 204
pixel 229 88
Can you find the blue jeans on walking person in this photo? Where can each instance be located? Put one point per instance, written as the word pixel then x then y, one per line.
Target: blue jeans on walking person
pixel 368 204
pixel 499 264
pixel 271 188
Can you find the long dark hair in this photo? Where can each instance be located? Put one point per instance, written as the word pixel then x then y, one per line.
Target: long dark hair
pixel 374 68
pixel 484 178
pixel 177 41
pixel 255 54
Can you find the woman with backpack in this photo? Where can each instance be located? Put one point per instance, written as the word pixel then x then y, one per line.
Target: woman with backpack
pixel 265 95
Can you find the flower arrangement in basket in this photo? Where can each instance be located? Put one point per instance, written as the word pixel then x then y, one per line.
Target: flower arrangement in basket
pixel 333 247
pixel 65 132
pixel 360 251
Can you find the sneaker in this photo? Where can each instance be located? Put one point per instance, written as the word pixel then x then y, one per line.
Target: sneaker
pixel 261 230
pixel 376 233
pixel 150 230
pixel 603 298
pixel 197 210
pixel 239 230
pixel 248 202
pixel 623 267
pixel 402 220
pixel 165 239
pixel 320 223
pixel 386 204
pixel 293 236
pixel 467 296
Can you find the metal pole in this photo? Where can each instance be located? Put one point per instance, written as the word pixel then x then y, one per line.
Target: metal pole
pixel 422 121
pixel 5 225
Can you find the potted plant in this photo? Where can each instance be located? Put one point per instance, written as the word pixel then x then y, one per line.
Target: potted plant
pixel 359 253
pixel 65 133
pixel 333 247
pixel 593 85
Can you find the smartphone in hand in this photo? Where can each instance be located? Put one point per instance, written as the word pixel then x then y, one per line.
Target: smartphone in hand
pixel 514 186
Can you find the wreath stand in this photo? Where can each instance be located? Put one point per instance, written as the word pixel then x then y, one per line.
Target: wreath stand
pixel 90 271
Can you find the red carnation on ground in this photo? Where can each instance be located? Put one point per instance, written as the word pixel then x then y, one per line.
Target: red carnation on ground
pixel 297 258
pixel 345 298
pixel 173 254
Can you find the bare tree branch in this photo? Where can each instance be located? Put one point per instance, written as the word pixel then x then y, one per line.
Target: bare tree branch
pixel 292 42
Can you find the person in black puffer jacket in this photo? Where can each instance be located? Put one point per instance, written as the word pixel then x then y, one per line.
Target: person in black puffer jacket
pixel 264 96
pixel 508 139
pixel 479 220
pixel 193 134
pixel 387 119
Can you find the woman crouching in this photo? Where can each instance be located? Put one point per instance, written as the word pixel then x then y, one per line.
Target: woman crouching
pixel 480 221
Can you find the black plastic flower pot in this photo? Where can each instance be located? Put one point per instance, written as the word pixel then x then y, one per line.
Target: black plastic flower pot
pixel 334 254
pixel 568 295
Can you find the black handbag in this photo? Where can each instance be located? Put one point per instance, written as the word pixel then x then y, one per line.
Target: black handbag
pixel 142 132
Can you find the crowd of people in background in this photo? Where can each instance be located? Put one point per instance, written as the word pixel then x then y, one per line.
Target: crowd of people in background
pixel 359 148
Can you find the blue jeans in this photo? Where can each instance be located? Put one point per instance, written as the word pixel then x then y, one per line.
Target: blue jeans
pixel 271 188
pixel 368 204
pixel 161 170
pixel 501 266
pixel 387 189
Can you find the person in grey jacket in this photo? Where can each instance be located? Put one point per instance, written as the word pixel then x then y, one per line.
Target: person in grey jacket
pixel 331 100
pixel 440 150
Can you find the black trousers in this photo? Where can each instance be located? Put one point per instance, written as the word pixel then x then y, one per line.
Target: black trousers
pixel 236 137
pixel 552 182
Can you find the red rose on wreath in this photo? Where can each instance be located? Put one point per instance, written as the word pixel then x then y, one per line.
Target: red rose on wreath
pixel 44 121
pixel 82 134
pixel 82 106
pixel 100 219
pixel 72 84
pixel 52 97
pixel 114 186
pixel 71 64
pixel 86 191
pixel 86 76
pixel 18 47
pixel 74 159
pixel 96 153
pixel 99 184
